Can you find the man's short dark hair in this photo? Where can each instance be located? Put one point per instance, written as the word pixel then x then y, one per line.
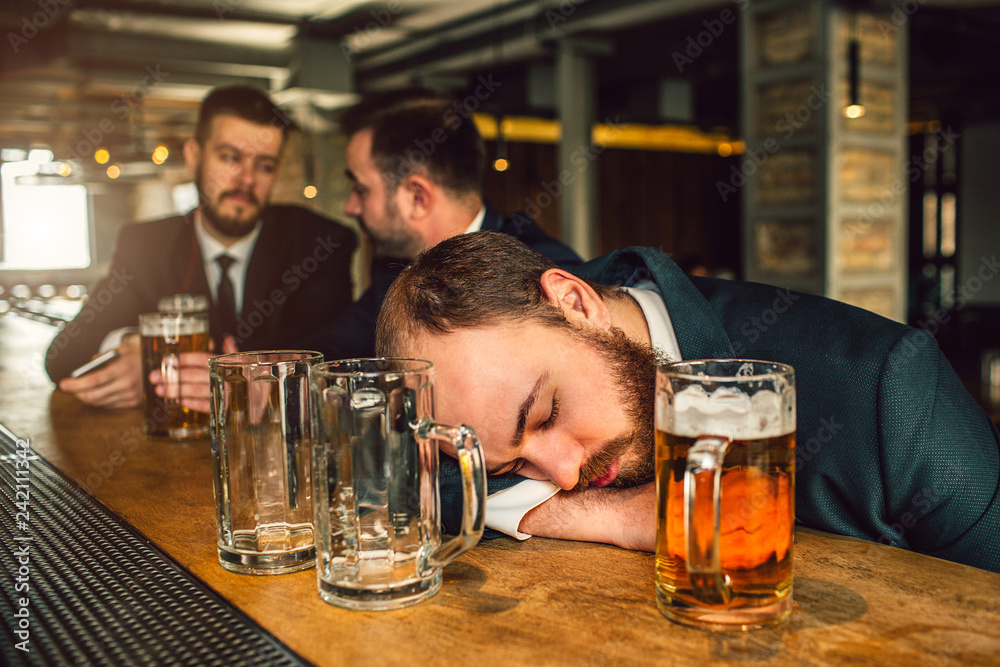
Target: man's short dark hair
pixel 467 281
pixel 418 130
pixel 245 102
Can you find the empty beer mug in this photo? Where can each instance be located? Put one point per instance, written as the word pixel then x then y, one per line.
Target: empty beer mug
pixel 262 459
pixel 725 483
pixel 376 469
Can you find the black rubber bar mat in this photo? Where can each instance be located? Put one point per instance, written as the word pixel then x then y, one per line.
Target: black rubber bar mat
pixel 79 586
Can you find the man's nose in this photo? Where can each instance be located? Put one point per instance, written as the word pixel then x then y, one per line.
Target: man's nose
pixel 557 458
pixel 353 205
pixel 247 174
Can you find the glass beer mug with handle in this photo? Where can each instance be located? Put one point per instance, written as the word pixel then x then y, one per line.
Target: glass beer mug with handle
pixel 378 536
pixel 163 338
pixel 725 483
pixel 262 460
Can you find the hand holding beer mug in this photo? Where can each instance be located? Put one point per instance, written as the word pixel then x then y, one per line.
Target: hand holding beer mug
pixel 725 484
pixel 376 464
pixel 164 337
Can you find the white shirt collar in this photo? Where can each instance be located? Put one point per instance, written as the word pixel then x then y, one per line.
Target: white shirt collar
pixel 477 222
pixel 211 248
pixel 661 329
pixel 239 251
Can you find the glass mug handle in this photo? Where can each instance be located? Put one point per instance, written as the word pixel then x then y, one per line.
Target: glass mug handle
pixel 470 462
pixel 170 372
pixel 701 521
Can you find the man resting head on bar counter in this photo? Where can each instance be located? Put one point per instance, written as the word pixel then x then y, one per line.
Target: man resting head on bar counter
pixel 556 370
pixel 283 270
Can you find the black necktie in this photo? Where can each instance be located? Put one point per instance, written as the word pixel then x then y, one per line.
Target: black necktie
pixel 225 301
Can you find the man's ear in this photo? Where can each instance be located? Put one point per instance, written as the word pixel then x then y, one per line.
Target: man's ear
pixel 192 154
pixel 576 299
pixel 419 196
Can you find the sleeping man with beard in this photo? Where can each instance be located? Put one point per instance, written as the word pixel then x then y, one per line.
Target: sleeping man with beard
pixel 556 372
pixel 272 273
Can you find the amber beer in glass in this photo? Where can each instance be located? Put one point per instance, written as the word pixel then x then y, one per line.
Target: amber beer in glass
pixel 725 481
pixel 164 336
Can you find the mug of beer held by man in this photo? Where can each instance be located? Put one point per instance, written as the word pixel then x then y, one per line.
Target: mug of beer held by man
pixel 163 338
pixel 725 482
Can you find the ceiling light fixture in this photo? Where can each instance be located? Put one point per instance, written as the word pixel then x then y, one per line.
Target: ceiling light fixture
pixel 854 108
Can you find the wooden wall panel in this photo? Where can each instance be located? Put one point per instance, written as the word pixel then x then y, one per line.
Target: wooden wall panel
pixel 661 199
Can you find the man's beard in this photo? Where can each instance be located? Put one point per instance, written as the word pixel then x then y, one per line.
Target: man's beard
pixel 393 239
pixel 633 369
pixel 232 227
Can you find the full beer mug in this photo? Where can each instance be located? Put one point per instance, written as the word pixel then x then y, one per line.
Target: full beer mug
pixel 262 460
pixel 376 469
pixel 725 484
pixel 163 337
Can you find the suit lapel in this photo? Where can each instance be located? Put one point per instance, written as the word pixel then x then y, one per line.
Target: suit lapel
pixel 492 222
pixel 699 331
pixel 265 261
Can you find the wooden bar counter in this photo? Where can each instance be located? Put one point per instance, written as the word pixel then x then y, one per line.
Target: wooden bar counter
pixel 508 602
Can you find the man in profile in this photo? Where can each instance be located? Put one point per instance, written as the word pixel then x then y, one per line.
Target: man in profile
pixel 556 373
pixel 417 163
pixel 272 272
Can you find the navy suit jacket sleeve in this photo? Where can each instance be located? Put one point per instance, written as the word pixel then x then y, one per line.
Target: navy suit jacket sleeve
pixel 939 459
pixel 132 286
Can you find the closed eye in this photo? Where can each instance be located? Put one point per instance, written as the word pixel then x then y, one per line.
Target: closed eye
pixel 550 422
pixel 507 468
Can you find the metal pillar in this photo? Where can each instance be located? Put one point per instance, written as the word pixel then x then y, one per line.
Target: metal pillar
pixel 576 98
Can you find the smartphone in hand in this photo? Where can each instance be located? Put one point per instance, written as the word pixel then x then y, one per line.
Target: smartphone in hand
pixel 95 363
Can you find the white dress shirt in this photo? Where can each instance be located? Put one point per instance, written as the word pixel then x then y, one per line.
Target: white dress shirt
pixel 477 222
pixel 210 249
pixel 505 509
pixel 239 251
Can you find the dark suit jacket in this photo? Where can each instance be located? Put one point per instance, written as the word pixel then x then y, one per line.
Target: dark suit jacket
pixel 353 334
pixel 890 446
pixel 298 279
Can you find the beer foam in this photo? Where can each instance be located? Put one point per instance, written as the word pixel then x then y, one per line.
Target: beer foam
pixel 173 327
pixel 730 413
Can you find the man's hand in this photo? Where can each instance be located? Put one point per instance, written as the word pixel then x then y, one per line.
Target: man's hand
pixel 623 517
pixel 117 384
pixel 195 387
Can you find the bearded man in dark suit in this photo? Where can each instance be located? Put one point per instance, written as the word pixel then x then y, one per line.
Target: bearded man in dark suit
pixel 271 272
pixel 556 372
